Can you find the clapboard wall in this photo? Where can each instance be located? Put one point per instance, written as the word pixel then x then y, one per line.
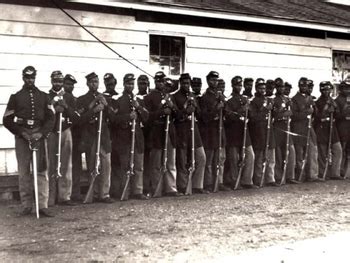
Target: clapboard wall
pixel 47 39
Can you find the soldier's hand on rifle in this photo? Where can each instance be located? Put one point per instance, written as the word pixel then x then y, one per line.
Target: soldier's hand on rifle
pixel 135 104
pixel 309 110
pixel 36 136
pixel 101 99
pixel 62 103
pixel 59 108
pixel 133 115
pixel 98 108
pixel 167 111
pixel 269 106
pixel 190 108
pixel 220 105
pixel 287 113
pixel 26 136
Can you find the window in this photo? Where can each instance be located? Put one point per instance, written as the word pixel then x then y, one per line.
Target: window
pixel 167 54
pixel 341 66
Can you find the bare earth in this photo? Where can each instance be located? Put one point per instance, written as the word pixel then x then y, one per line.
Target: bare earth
pixel 199 228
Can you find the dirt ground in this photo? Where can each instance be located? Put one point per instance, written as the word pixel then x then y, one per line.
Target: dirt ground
pixel 198 228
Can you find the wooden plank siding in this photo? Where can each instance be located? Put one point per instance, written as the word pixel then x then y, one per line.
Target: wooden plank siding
pixel 49 40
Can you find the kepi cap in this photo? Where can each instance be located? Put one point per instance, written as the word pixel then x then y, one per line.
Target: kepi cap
pixel 325 85
pixel 129 77
pixel 70 78
pixel 57 74
pixel 237 80
pixel 143 78
pixel 159 75
pixel 185 76
pixel 279 82
pixel 196 81
pixel 213 74
pixel 29 71
pixel 259 82
pixel 108 76
pixel 91 76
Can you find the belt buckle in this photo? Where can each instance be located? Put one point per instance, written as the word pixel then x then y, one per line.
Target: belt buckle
pixel 30 122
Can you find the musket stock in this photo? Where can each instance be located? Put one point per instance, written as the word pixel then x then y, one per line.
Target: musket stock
pixel 306 153
pixel 266 151
pixel 286 157
pixel 158 190
pixel 35 175
pixel 89 195
pixel 193 164
pixel 58 174
pixel 216 182
pixel 329 147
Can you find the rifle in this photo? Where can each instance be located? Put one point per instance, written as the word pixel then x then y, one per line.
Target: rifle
pixel 89 195
pixel 306 153
pixel 216 183
pixel 158 190
pixel 329 149
pixel 242 161
pixel 267 145
pixel 285 162
pixel 58 154
pixel 35 175
pixel 193 162
pixel 130 171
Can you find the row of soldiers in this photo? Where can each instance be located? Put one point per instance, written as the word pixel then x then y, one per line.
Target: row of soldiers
pixel 174 140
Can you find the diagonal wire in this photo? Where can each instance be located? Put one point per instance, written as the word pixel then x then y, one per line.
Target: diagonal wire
pixel 99 40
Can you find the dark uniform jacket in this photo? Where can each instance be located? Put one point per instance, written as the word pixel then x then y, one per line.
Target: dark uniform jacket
pixel 210 121
pixel 69 116
pixel 121 123
pixel 28 110
pixel 156 121
pixel 322 121
pixel 88 123
pixel 299 124
pixel 258 116
pixel 234 121
pixel 343 117
pixel 281 105
pixel 183 121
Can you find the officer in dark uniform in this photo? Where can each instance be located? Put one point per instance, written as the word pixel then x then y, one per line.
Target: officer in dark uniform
pixel 61 187
pixel 211 102
pixel 129 108
pixel 325 105
pixel 302 110
pixel 258 120
pixel 343 123
pixel 77 169
pixel 281 115
pixel 187 104
pixel 235 110
pixel 110 83
pixel 89 105
pixel 248 86
pixel 159 103
pixel 196 85
pixel 30 118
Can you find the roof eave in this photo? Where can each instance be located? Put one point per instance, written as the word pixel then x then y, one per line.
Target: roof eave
pixel 218 15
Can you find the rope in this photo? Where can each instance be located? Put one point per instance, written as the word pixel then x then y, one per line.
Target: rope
pixel 99 40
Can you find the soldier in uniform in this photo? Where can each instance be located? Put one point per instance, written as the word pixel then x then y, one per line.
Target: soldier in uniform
pixel 159 104
pixel 196 85
pixel 325 106
pixel 89 105
pixel 343 123
pixel 143 89
pixel 187 104
pixel 281 115
pixel 248 86
pixel 302 110
pixel 235 111
pixel 270 88
pixel 128 108
pixel 77 169
pixel 258 120
pixel 60 189
pixel 211 103
pixel 30 118
pixel 111 96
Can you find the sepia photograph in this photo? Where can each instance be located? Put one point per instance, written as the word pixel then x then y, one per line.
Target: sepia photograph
pixel 175 131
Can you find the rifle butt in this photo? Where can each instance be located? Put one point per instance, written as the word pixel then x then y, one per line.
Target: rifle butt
pixel 189 185
pixel 89 195
pixel 238 180
pixel 216 183
pixel 158 190
pixel 124 196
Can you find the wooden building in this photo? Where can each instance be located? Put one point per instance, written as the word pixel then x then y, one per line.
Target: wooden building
pixel 251 38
